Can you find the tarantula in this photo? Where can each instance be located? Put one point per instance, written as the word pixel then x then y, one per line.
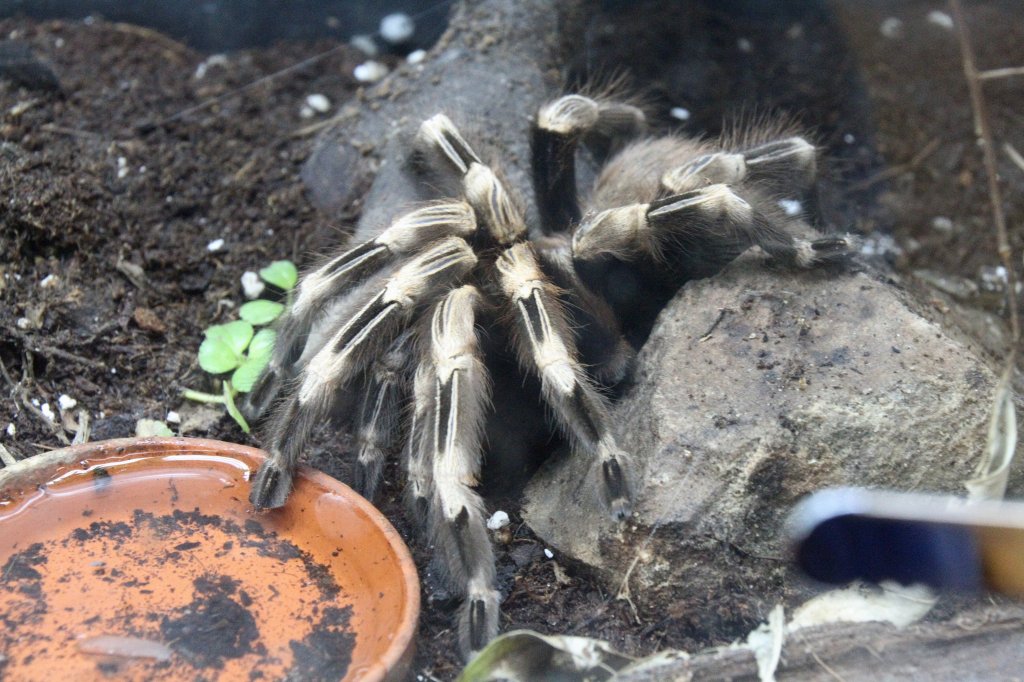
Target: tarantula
pixel 412 318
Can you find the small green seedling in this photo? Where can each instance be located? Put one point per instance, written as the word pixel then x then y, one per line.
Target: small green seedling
pixel 237 347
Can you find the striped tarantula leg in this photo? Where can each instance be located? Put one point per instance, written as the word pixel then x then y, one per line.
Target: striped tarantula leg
pixel 495 211
pixel 600 342
pixel 379 428
pixel 713 221
pixel 340 274
pixel 791 162
pixel 788 164
pixel 368 333
pixel 557 130
pixel 709 169
pixel 461 394
pixel 545 345
pixel 418 444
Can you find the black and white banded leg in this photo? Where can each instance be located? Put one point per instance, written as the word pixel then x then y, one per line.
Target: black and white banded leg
pixel 545 346
pixel 709 227
pixel 321 288
pixel 789 164
pixel 378 427
pixel 361 338
pixel 557 131
pixel 460 396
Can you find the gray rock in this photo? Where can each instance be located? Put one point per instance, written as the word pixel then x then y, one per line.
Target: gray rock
pixel 756 387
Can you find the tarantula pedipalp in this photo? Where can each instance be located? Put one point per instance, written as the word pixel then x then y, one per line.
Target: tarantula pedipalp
pixel 417 313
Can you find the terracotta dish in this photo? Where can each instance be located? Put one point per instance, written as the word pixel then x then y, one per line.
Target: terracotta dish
pixel 142 559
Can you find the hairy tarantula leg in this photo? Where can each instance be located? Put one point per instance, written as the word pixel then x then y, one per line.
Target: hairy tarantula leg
pixel 713 217
pixel 600 342
pixel 439 135
pixel 417 463
pixel 461 393
pixel 379 429
pixel 789 163
pixel 368 333
pixel 491 202
pixel 557 131
pixel 709 169
pixel 545 345
pixel 405 235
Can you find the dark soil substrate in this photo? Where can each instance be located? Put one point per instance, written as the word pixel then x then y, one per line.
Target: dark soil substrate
pixel 114 185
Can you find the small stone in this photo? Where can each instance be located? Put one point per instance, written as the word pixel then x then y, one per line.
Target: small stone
pixel 23 323
pixel 306 112
pixel 499 519
pixel 941 19
pixel 548 553
pixel 252 285
pixel 173 417
pixel 147 319
pixel 47 412
pixel 370 72
pixel 318 103
pixel 122 167
pixel 12 430
pixel 848 138
pixel 891 28
pixel 679 113
pixel 48 281
pixel 66 402
pixel 215 245
pixel 416 56
pixel 397 28
pixel 365 45
pixel 942 224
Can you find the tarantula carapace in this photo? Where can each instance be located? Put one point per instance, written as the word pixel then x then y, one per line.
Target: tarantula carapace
pixel 411 319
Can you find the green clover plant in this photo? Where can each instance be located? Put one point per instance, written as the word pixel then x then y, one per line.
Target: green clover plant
pixel 237 347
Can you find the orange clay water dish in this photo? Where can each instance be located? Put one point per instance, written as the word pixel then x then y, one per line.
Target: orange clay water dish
pixel 142 559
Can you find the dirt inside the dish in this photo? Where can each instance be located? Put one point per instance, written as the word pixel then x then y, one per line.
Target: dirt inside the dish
pixel 153 568
pixel 109 269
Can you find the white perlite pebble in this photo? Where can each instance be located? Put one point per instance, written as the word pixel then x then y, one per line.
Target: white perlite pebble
pixel 942 224
pixel 792 207
pixel 365 45
pixel 173 417
pixel 47 412
pixel 215 245
pixel 499 519
pixel 23 323
pixel 252 285
pixel 66 402
pixel 12 430
pixel 941 19
pixel 891 27
pixel 548 553
pixel 122 167
pixel 416 56
pixel 318 103
pixel 370 72
pixel 397 28
pixel 48 281
pixel 679 113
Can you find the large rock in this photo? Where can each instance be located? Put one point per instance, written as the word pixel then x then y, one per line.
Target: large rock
pixel 756 387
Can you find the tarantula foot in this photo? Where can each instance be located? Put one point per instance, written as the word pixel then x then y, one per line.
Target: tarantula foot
pixel 270 486
pixel 478 621
pixel 828 250
pixel 615 490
